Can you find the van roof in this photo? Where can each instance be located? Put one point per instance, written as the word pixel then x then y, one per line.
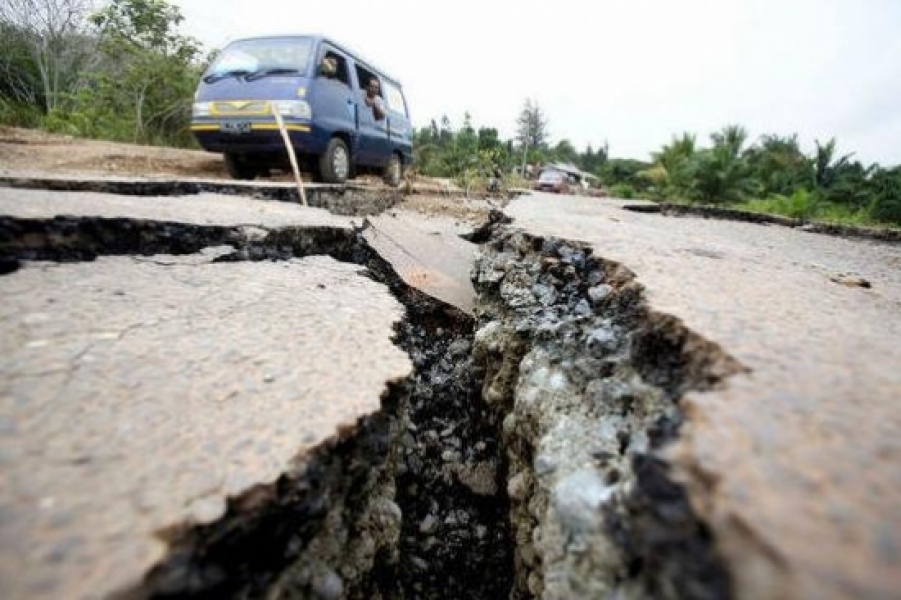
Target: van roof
pixel 322 38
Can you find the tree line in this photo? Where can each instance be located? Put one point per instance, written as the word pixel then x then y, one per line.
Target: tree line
pixel 772 174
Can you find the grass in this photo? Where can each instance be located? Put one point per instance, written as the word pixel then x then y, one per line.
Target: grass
pixel 806 206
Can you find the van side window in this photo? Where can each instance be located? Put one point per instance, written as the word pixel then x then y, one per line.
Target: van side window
pixel 377 103
pixel 337 70
pixel 363 77
pixel 394 98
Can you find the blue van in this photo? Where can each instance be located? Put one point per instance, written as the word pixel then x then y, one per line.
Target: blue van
pixel 342 114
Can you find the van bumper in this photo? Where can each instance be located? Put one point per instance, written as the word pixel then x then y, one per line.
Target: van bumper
pixel 261 137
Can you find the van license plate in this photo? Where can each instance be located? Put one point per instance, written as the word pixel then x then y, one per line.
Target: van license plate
pixel 235 127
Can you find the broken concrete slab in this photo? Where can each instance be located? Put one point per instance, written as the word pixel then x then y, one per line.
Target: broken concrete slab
pixel 200 209
pixel 349 199
pixel 794 465
pixel 428 254
pixel 139 393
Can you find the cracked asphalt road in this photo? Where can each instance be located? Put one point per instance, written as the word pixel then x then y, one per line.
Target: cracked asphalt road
pixel 113 391
pixel 796 465
pixel 426 252
pixel 199 209
pixel 158 386
pixel 155 387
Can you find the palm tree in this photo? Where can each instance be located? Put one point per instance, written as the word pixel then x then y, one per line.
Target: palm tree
pixel 826 169
pixel 671 166
pixel 721 174
pixel 779 166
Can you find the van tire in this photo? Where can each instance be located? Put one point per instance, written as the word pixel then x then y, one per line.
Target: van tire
pixel 394 171
pixel 334 164
pixel 240 167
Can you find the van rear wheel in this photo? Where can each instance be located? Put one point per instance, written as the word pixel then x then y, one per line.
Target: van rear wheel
pixel 240 166
pixel 334 164
pixel 394 171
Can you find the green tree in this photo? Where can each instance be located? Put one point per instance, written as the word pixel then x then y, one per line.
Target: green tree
pixel 591 160
pixel 467 141
pixel 827 168
pixel 778 165
pixel 565 152
pixel 885 187
pixel 149 70
pixel 721 174
pixel 43 49
pixel 489 139
pixel 623 171
pixel 531 130
pixel 445 133
pixel 851 187
pixel 670 175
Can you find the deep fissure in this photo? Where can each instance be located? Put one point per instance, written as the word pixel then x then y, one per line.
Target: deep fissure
pixel 517 460
pixel 589 379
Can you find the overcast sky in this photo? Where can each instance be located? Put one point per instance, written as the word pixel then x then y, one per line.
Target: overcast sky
pixel 632 72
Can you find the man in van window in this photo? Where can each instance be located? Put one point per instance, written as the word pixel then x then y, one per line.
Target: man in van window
pixel 373 100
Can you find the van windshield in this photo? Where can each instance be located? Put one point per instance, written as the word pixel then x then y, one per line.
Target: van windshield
pixel 262 56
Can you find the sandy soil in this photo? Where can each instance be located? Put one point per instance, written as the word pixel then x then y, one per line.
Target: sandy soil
pixel 38 152
pixel 31 150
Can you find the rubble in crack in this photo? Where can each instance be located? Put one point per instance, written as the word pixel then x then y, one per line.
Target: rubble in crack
pixel 587 381
pixel 455 541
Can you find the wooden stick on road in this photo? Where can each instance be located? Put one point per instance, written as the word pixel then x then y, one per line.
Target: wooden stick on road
pixel 287 140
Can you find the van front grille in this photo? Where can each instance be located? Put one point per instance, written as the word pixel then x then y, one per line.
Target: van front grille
pixel 241 107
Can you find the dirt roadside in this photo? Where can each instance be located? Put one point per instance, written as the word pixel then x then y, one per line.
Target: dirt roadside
pixel 29 151
pixel 32 150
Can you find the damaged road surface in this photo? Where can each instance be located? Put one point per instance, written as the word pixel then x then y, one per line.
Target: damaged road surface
pixel 218 397
pixel 792 464
pixel 142 393
pixel 242 402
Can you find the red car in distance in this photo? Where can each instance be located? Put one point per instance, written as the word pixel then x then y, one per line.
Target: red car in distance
pixel 553 181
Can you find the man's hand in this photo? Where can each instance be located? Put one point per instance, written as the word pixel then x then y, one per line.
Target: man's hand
pixel 378 110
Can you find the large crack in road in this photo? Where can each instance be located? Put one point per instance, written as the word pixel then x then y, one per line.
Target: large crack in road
pixel 588 382
pixel 519 459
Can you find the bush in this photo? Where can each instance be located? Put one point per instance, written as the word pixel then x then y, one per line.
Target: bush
pixel 622 190
pixel 887 209
pixel 886 203
pixel 800 205
pixel 19 115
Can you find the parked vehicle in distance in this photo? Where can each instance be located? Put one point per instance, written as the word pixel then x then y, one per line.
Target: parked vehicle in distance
pixel 554 181
pixel 320 90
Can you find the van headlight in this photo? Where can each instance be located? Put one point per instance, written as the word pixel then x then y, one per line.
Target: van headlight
pixel 200 109
pixel 299 109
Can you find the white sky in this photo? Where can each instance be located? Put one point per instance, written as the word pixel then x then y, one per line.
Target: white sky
pixel 632 72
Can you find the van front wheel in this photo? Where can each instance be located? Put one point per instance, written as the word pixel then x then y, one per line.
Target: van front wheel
pixel 240 167
pixel 394 171
pixel 334 164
